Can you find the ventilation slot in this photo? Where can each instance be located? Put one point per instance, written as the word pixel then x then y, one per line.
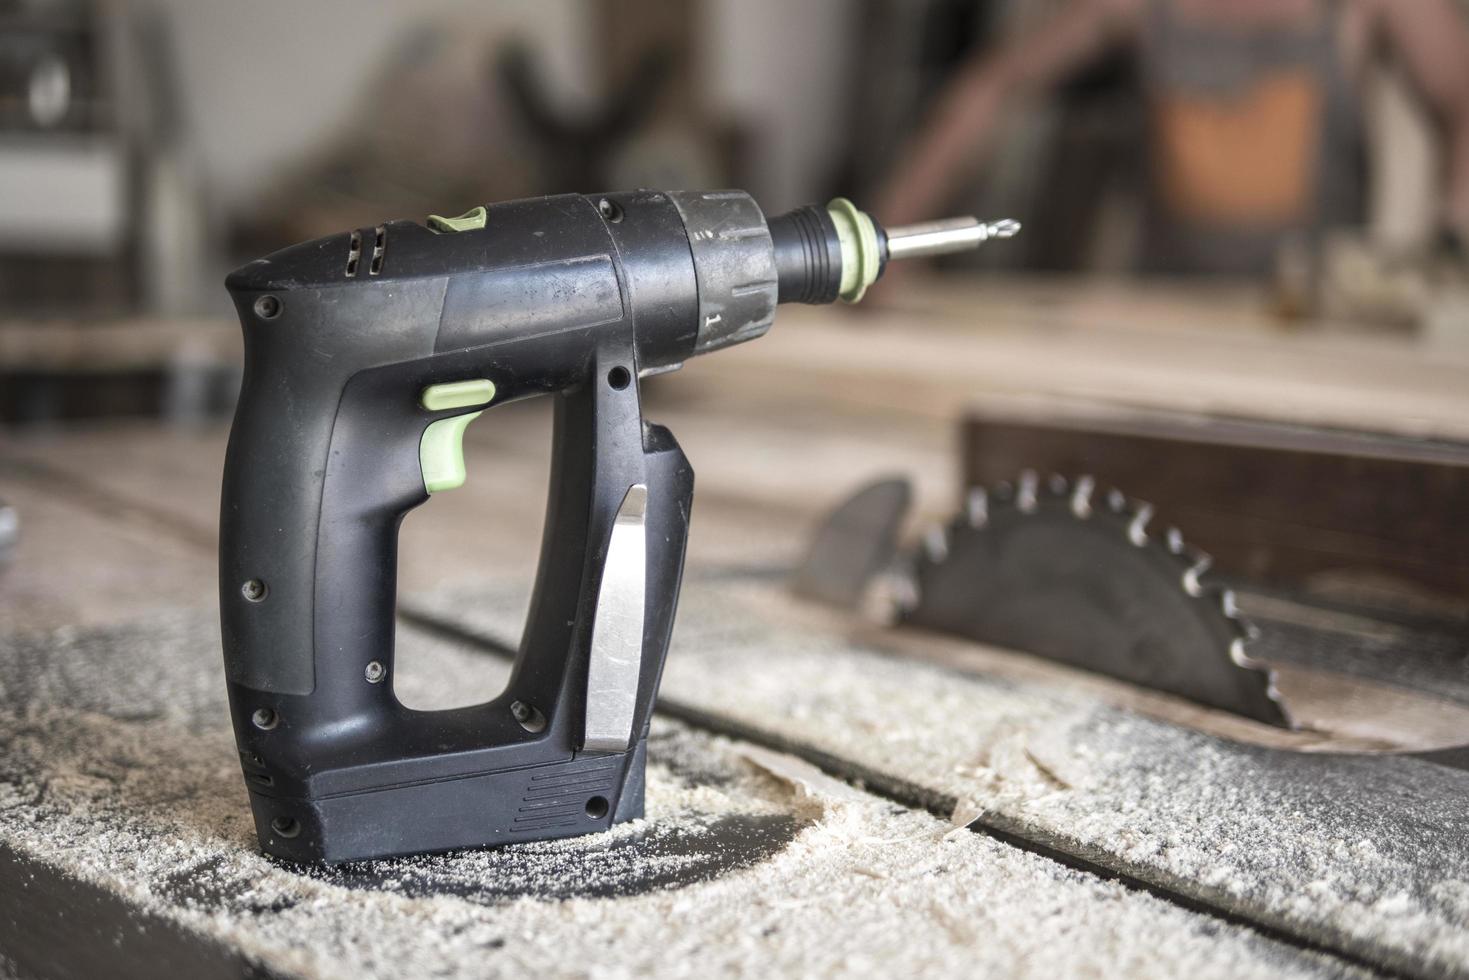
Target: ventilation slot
pixel 379 245
pixel 354 254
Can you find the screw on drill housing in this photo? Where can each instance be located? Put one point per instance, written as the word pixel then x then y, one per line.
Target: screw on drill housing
pixel 609 210
pixel 286 826
pixel 268 307
pixel 529 716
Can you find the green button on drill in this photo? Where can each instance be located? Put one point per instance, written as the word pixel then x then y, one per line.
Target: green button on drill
pixel 441 450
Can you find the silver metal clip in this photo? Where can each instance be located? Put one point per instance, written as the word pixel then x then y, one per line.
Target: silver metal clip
pixel 617 632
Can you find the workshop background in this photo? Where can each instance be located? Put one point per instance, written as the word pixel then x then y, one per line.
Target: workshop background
pixel 1241 294
pixel 150 147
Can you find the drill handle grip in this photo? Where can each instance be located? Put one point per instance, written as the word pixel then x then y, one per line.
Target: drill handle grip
pixel 600 617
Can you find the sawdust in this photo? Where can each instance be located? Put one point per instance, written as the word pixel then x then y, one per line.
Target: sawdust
pixel 116 763
pixel 1354 849
pixel 1367 854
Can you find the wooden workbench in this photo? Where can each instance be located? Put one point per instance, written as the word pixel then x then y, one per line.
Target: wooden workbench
pixel 810 779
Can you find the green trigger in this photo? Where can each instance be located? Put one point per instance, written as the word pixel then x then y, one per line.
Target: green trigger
pixel 441 453
pixel 441 449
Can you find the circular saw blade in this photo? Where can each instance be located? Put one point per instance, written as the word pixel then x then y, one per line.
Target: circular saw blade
pixel 1050 568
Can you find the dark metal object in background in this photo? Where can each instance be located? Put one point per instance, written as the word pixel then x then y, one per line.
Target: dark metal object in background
pixel 854 544
pixel 1053 570
pixel 1047 569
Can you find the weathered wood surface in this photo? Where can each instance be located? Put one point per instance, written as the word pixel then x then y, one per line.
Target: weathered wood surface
pixel 119 527
pixel 1364 854
pixel 124 826
pixel 1052 345
pixel 758 488
pixel 965 743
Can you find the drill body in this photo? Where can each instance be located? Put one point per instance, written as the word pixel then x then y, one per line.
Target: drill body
pixel 366 354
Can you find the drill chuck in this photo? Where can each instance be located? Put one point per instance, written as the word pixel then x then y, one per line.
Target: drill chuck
pixel 836 252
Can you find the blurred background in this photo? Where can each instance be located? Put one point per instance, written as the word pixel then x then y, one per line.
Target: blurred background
pixel 1232 209
pixel 1316 153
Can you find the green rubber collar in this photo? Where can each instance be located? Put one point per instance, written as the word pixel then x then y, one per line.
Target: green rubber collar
pixel 861 251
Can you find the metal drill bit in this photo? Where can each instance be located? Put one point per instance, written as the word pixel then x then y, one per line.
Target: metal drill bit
pixel 948 235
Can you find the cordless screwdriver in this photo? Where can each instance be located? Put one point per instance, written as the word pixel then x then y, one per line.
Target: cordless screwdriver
pixel 367 353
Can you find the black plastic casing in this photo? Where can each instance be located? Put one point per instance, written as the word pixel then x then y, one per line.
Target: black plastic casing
pixel 569 296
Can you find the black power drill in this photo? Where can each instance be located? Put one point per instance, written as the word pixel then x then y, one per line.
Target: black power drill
pixel 366 355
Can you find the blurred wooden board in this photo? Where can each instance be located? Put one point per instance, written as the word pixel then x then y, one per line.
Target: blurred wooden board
pixel 759 486
pixel 126 344
pixel 1067 342
pixel 1277 505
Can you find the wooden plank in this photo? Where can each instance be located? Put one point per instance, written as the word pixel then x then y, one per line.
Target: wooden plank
pixel 918 364
pixel 84 558
pixel 760 485
pixel 748 863
pixel 1307 509
pixel 130 344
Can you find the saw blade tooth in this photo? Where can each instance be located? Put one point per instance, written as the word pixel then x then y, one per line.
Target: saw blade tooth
pixel 1239 648
pixel 1056 484
pixel 1025 494
pixel 1137 529
pixel 1228 605
pixel 1174 537
pixel 1081 497
pixel 1191 583
pixel 1272 691
pixel 936 544
pixel 977 508
pixel 1116 502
